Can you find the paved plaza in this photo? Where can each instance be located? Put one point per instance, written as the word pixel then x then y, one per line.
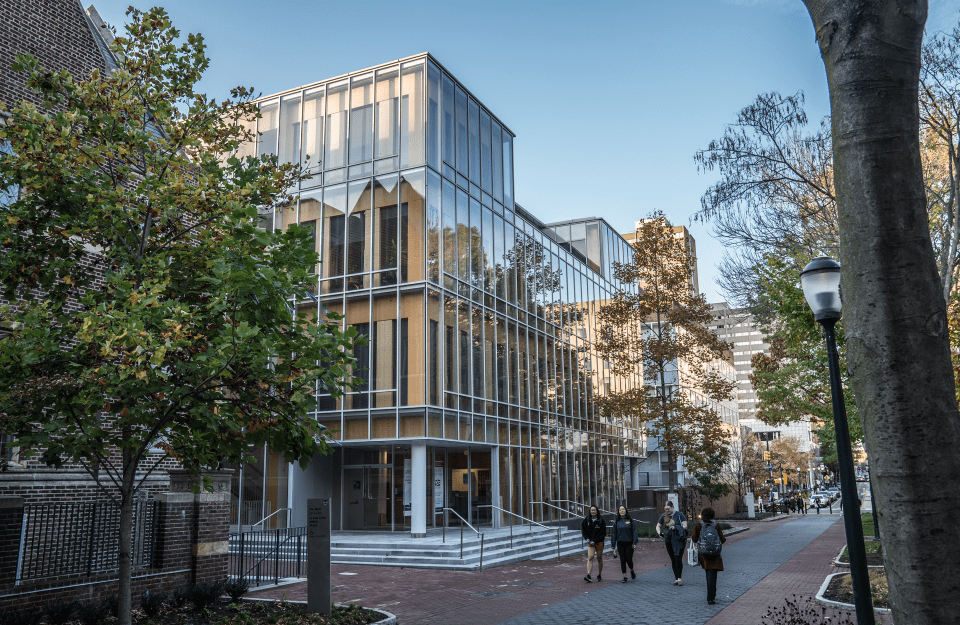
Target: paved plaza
pixel 770 561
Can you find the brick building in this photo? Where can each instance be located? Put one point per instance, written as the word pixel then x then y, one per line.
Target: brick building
pixel 41 547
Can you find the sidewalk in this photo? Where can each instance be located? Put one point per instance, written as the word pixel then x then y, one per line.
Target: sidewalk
pixel 493 595
pixel 801 575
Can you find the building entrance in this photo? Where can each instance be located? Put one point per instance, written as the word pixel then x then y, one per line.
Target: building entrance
pixel 367 497
pixel 470 486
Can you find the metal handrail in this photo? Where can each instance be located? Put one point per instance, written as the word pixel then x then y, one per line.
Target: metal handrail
pixel 531 521
pixel 463 522
pixel 278 511
pixel 583 505
pixel 562 509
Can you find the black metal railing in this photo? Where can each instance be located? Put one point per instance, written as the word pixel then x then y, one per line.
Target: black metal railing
pixel 268 556
pixel 82 538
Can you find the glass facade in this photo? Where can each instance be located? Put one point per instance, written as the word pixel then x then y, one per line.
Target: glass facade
pixel 480 317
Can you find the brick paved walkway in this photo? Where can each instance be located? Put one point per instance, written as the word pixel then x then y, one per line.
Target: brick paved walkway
pixel 488 597
pixel 801 575
pixel 652 600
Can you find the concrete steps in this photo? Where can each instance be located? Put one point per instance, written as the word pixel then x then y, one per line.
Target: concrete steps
pixel 497 549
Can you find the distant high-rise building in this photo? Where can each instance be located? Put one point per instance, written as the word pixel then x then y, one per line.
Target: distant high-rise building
pixel 738 327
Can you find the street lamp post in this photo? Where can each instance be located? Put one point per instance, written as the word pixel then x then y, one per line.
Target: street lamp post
pixel 820 280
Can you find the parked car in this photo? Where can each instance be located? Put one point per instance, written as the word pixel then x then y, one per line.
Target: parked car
pixel 823 498
pixel 835 492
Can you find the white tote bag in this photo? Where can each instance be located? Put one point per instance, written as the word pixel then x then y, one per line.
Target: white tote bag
pixel 692 558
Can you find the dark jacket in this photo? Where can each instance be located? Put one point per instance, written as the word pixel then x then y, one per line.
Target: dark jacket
pixel 709 563
pixel 594 530
pixel 624 530
pixel 676 535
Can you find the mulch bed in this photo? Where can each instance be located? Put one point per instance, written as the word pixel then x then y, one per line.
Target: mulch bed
pixel 841 589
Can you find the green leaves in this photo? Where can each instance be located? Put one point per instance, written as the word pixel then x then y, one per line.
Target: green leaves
pixel 151 310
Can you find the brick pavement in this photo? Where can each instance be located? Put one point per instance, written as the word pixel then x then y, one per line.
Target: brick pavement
pixel 653 600
pixel 799 576
pixel 482 598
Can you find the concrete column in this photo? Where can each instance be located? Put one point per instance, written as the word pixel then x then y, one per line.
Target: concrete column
pixel 418 490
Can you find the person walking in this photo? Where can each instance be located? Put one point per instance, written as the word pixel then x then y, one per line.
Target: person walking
pixel 594 531
pixel 624 537
pixel 709 540
pixel 672 526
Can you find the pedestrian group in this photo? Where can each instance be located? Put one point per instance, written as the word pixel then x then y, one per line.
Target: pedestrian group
pixel 707 539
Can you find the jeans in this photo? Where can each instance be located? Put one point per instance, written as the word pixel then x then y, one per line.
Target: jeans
pixel 625 550
pixel 676 560
pixel 711 584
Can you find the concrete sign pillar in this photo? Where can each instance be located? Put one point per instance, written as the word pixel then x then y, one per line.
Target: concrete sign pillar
pixel 418 490
pixel 318 556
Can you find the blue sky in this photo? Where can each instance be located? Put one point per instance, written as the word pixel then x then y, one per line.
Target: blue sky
pixel 609 100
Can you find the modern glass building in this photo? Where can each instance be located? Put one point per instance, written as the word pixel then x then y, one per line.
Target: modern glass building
pixel 480 376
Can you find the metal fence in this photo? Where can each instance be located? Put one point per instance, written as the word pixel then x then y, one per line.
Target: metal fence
pixel 268 556
pixel 72 538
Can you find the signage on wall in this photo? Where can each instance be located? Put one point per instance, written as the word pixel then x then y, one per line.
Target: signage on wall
pixel 407 484
pixel 438 488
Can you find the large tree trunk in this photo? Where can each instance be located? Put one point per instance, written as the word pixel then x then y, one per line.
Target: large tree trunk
pixel 895 315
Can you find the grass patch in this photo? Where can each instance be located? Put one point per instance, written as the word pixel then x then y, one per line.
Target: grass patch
pixel 869 529
pixel 873 546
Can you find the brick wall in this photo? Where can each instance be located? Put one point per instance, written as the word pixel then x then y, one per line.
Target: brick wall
pixel 54 31
pixel 191 546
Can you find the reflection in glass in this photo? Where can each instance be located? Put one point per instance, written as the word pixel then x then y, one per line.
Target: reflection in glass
pixel 433 227
pixel 474 128
pixel 462 135
pixel 386 244
pixel 336 137
pixel 433 116
pixel 334 235
pixel 507 142
pixel 411 113
pixel 388 112
pixel 463 235
pixel 361 119
pixel 411 225
pixel 449 142
pixel 486 179
pixel 312 150
pixel 267 127
pixel 290 129
pixel 358 233
pixel 449 223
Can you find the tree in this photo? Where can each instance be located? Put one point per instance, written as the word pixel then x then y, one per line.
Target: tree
pixel 661 327
pixel 898 347
pixel 791 381
pixel 148 309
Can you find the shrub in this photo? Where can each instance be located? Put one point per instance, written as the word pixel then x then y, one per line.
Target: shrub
pixel 205 593
pixel 112 606
pixel 59 611
pixel 724 526
pixel 152 602
pixel 801 611
pixel 236 589
pixel 181 596
pixel 92 612
pixel 16 617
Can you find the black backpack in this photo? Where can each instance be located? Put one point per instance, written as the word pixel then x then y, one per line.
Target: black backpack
pixel 709 543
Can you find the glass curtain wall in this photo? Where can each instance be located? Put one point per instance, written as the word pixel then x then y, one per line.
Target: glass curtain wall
pixel 480 323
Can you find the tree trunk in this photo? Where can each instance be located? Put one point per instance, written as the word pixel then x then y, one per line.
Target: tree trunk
pixel 126 540
pixel 895 315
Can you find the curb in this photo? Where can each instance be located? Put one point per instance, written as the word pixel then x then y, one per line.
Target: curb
pixel 838 563
pixel 388 618
pixel 839 604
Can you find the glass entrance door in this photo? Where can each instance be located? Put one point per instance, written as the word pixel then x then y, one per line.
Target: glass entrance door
pixel 367 496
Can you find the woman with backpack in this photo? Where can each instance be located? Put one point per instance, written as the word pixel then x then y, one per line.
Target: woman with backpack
pixel 594 531
pixel 709 540
pixel 672 526
pixel 624 537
